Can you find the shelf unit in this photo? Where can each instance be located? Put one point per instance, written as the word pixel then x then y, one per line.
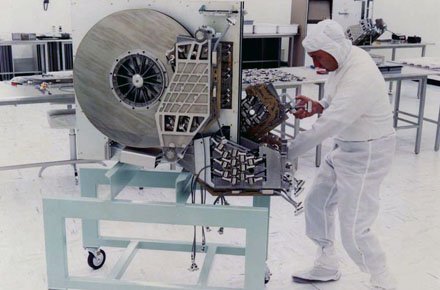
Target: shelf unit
pixel 47 55
pixel 264 50
pixel 261 53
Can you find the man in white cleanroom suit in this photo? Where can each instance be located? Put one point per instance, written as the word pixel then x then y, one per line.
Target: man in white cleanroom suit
pixel 356 112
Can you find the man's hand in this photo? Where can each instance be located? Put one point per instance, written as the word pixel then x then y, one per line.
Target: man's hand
pixel 302 113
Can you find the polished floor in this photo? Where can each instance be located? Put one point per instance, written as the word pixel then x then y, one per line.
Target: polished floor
pixel 408 226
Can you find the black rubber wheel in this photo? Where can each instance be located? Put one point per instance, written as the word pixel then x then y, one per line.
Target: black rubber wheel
pixel 96 263
pixel 267 275
pixel 266 280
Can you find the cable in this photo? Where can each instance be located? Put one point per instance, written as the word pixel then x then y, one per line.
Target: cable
pixel 203 193
pixel 222 202
pixel 193 200
pixel 230 22
pixel 194 181
pixel 194 245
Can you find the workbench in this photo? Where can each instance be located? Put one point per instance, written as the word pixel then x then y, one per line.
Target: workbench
pixel 28 95
pixel 435 72
pixel 408 73
pixel 394 46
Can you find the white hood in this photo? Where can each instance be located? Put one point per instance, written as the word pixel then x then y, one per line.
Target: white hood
pixel 329 37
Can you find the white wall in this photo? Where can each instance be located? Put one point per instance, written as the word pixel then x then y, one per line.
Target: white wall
pixel 405 16
pixel 419 17
pixel 29 16
pixel 411 17
pixel 273 11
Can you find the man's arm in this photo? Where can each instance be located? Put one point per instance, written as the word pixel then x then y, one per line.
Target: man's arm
pixel 324 103
pixel 317 108
pixel 348 105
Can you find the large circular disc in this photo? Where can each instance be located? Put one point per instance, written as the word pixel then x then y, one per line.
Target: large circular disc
pixel 109 41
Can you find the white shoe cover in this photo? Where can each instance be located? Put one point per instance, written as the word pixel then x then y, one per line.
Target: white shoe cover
pixel 383 281
pixel 316 274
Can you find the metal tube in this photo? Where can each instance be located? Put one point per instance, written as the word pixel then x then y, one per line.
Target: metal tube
pixel 42 58
pixel 48 164
pixel 372 10
pixel 415 116
pixel 368 9
pixel 431 121
pixel 291 50
pixel 63 53
pixel 393 58
pixel 296 130
pixel 58 56
pixel 283 124
pixel 318 156
pixel 46 57
pixel 407 127
pixel 397 103
pixel 407 121
pixel 437 136
pixel 423 83
pixel 363 12
pixel 287 135
pixel 73 150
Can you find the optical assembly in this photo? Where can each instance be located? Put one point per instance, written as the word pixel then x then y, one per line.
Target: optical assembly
pixel 154 89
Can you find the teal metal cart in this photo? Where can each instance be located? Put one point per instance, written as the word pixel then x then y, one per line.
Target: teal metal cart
pixel 90 209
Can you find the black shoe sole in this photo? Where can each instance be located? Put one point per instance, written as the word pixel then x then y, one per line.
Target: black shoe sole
pixel 307 281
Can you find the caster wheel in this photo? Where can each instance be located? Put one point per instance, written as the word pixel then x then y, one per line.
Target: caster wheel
pixel 96 262
pixel 267 275
pixel 266 280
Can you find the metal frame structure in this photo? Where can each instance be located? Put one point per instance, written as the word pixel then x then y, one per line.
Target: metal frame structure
pixel 367 9
pixel 186 99
pixel 394 47
pixel 422 79
pixel 255 220
pixel 436 122
pixel 420 117
pixel 421 92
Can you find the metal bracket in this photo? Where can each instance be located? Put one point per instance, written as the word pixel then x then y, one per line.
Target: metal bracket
pixel 210 12
pixel 95 251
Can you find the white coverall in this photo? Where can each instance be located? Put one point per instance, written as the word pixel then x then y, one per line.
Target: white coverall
pixel 357 113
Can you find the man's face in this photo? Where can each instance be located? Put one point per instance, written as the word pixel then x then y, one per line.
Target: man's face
pixel 322 59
